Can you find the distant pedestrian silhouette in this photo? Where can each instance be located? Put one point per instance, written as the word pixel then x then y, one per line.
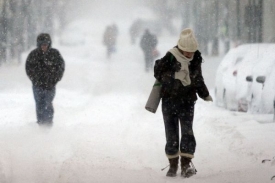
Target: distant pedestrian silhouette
pixel 148 45
pixel 109 39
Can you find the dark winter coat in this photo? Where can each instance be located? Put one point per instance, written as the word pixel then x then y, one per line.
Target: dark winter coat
pixel 45 69
pixel 164 71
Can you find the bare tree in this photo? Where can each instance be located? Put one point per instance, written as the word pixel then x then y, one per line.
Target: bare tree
pixel 22 20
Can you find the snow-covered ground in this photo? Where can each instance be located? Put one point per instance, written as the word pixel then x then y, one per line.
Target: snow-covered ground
pixel 102 133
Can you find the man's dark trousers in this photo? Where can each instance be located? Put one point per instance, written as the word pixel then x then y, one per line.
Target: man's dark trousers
pixel 44 107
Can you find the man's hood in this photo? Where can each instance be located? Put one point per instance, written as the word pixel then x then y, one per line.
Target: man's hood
pixel 44 38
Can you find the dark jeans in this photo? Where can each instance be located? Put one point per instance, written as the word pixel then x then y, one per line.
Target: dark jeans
pixel 175 112
pixel 44 107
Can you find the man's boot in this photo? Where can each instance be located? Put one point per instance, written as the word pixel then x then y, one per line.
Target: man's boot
pixel 172 172
pixel 186 169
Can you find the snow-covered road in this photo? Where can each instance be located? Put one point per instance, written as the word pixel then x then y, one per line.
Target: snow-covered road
pixel 102 133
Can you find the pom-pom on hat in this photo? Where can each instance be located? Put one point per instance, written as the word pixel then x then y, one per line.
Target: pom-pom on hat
pixel 187 41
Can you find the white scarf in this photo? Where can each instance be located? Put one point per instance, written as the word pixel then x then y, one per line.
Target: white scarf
pixel 183 73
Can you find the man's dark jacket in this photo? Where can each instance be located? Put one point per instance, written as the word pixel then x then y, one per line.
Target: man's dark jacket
pixel 45 69
pixel 164 72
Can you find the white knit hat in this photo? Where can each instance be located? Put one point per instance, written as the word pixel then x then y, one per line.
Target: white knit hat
pixel 187 41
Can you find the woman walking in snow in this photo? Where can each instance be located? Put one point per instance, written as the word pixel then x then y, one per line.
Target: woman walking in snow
pixel 179 73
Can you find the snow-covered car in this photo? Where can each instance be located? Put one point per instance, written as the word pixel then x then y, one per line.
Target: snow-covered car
pixel 231 88
pixel 225 84
pixel 72 35
pixel 256 55
pixel 262 83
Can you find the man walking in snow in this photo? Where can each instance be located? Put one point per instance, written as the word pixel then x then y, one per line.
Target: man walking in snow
pixel 148 44
pixel 180 75
pixel 45 67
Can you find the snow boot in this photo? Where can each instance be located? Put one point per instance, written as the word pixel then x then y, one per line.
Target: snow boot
pixel 172 172
pixel 186 170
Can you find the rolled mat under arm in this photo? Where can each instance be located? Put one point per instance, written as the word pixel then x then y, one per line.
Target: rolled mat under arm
pixel 154 98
